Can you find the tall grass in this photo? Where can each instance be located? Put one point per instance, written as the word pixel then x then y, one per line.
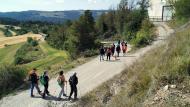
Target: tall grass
pixel 167 64
pixel 11 77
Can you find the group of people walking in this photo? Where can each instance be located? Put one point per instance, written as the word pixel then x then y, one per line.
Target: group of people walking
pixel 113 50
pixel 62 82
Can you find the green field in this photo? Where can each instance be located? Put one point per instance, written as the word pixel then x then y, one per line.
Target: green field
pixel 53 57
pixel 7 54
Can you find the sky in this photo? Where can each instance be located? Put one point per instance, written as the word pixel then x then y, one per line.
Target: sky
pixel 55 5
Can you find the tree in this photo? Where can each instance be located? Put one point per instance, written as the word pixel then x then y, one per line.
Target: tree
pixel 85 30
pixel 182 9
pixel 57 37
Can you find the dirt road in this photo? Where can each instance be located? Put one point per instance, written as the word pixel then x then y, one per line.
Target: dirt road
pixel 90 75
pixel 17 39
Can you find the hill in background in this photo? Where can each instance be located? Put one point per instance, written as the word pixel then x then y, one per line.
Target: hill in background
pixel 48 16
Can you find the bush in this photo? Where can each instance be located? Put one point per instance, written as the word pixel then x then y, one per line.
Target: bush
pixel 90 53
pixel 8 33
pixel 28 52
pixel 32 42
pixel 145 36
pixel 11 77
pixel 182 9
pixel 29 39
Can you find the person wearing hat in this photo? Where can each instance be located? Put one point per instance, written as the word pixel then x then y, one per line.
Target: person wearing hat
pixel 73 81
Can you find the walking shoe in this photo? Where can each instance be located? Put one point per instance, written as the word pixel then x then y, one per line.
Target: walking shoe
pixel 59 99
pixel 64 95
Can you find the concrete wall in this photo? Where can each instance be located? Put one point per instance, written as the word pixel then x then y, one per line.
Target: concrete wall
pixel 155 10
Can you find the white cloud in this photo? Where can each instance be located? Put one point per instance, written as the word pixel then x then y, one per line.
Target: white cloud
pixel 92 1
pixel 59 1
pixel 50 2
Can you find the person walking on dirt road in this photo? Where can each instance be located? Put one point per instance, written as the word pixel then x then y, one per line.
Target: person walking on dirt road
pixel 61 81
pixel 108 53
pixel 33 77
pixel 102 53
pixel 124 47
pixel 46 84
pixel 73 81
pixel 113 49
pixel 118 49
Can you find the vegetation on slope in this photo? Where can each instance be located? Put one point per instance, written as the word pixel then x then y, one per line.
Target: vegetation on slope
pixel 11 77
pixel 28 52
pixel 7 54
pixel 181 15
pixel 6 32
pixel 165 65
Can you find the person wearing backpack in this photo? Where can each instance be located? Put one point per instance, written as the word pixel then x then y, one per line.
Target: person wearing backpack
pixel 33 78
pixel 45 82
pixel 73 81
pixel 61 82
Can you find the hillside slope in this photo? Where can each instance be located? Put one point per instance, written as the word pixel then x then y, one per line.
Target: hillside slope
pixel 91 75
pixel 159 79
pixel 53 57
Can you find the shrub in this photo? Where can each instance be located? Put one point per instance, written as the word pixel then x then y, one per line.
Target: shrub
pixel 11 77
pixel 90 53
pixel 145 36
pixel 29 39
pixel 7 33
pixel 28 52
pixel 32 42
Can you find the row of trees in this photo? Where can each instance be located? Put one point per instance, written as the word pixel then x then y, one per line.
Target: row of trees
pixel 125 21
pixel 75 37
pixel 81 35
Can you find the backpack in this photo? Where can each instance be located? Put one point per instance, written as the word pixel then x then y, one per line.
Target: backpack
pixel 59 81
pixel 71 80
pixel 42 80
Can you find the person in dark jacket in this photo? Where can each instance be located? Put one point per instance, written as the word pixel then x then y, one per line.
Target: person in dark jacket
pixel 73 81
pixel 113 49
pixel 33 77
pixel 102 53
pixel 118 49
pixel 46 84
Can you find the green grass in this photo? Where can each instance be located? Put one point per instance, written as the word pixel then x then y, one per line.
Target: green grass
pixel 165 65
pixel 53 57
pixel 7 53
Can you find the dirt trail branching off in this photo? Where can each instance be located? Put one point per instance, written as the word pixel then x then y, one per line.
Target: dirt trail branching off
pixel 91 75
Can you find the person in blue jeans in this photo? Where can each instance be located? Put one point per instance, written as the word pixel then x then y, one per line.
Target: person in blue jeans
pixel 34 82
pixel 102 53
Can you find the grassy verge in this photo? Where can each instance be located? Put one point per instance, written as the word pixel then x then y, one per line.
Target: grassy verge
pixel 7 54
pixel 168 64
pixel 11 77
